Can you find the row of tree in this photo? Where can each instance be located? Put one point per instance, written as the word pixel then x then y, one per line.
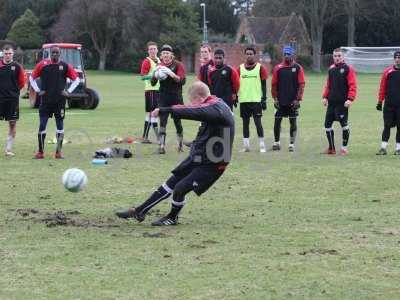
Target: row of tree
pixel 116 31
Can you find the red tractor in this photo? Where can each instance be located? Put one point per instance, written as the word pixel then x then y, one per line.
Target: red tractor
pixel 82 97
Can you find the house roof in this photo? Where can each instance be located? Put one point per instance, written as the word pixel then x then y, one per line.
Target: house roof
pixel 272 29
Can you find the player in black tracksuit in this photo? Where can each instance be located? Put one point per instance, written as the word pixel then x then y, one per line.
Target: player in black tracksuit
pixel 206 64
pixel 339 93
pixel 53 74
pixel 389 93
pixel 12 80
pixel 170 94
pixel 287 88
pixel 210 153
pixel 223 80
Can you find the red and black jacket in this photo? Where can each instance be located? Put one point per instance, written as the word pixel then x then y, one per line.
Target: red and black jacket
pixel 12 80
pixel 204 70
pixel 341 84
pixel 53 76
pixel 389 90
pixel 223 82
pixel 287 83
pixel 217 124
pixel 169 86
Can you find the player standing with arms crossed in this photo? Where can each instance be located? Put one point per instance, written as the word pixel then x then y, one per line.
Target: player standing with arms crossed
pixel 339 93
pixel 12 80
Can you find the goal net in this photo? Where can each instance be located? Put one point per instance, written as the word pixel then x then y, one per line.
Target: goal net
pixel 369 59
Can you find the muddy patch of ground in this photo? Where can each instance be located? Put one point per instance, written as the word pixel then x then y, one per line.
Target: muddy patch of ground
pixel 64 218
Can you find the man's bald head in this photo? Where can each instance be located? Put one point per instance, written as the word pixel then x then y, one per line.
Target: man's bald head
pixel 198 92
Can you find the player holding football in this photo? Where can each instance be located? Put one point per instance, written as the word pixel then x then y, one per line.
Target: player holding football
pixel 287 88
pixel 12 80
pixel 151 93
pixel 209 155
pixel 170 93
pixel 53 74
pixel 339 93
pixel 206 63
pixel 389 93
pixel 223 80
pixel 252 96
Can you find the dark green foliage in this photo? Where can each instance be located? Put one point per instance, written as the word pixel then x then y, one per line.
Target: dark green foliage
pixel 26 32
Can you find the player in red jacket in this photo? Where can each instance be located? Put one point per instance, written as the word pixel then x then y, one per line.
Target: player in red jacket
pixel 339 93
pixel 389 93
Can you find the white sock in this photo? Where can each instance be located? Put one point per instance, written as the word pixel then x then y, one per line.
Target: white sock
pixel 10 141
pixel 246 142
pixel 277 143
pixel 397 146
pixel 384 145
pixel 262 143
pixel 291 145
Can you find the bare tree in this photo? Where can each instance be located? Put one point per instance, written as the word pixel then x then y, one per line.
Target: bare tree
pixel 102 22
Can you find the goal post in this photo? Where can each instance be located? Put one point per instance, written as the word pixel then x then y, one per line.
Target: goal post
pixel 369 59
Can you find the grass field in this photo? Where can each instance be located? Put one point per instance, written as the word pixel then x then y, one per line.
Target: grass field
pixel 276 226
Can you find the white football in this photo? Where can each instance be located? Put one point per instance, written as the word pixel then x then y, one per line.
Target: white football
pixel 160 74
pixel 74 180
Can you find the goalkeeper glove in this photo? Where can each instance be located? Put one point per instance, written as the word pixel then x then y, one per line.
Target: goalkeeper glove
pixel 379 106
pixel 296 104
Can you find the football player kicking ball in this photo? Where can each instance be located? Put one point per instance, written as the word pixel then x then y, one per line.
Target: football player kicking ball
pixel 53 74
pixel 339 94
pixel 389 93
pixel 209 155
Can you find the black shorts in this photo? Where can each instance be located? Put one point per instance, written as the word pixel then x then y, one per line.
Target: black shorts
pixel 56 108
pixel 336 112
pixel 151 100
pixel 391 115
pixel 250 109
pixel 199 177
pixel 286 111
pixel 9 110
pixel 167 100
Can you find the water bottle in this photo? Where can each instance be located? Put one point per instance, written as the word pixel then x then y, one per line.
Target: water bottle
pixel 97 161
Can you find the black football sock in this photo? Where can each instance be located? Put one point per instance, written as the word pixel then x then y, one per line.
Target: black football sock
pixel 163 192
pixel 330 134
pixel 146 130
pixel 277 129
pixel 155 128
pixel 176 207
pixel 246 128
pixel 386 134
pixel 60 139
pixel 259 127
pixel 41 139
pixel 293 130
pixel 346 135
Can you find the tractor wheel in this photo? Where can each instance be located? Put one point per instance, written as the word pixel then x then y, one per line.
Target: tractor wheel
pixel 72 103
pixel 92 101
